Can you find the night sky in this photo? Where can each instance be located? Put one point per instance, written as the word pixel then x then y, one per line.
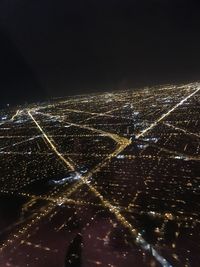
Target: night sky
pixel 59 48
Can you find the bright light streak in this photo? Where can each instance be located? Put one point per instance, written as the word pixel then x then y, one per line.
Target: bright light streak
pixel 182 130
pixel 51 144
pixel 21 142
pixel 166 114
pixel 15 115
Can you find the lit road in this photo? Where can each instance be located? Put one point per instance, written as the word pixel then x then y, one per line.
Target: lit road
pixel 123 153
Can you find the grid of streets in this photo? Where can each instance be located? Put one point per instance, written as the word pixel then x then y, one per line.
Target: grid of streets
pixel 105 180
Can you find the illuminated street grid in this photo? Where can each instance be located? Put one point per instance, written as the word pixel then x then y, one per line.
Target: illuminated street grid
pixel 105 180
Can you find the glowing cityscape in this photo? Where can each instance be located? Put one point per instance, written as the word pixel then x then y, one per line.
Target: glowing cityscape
pixel 108 179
